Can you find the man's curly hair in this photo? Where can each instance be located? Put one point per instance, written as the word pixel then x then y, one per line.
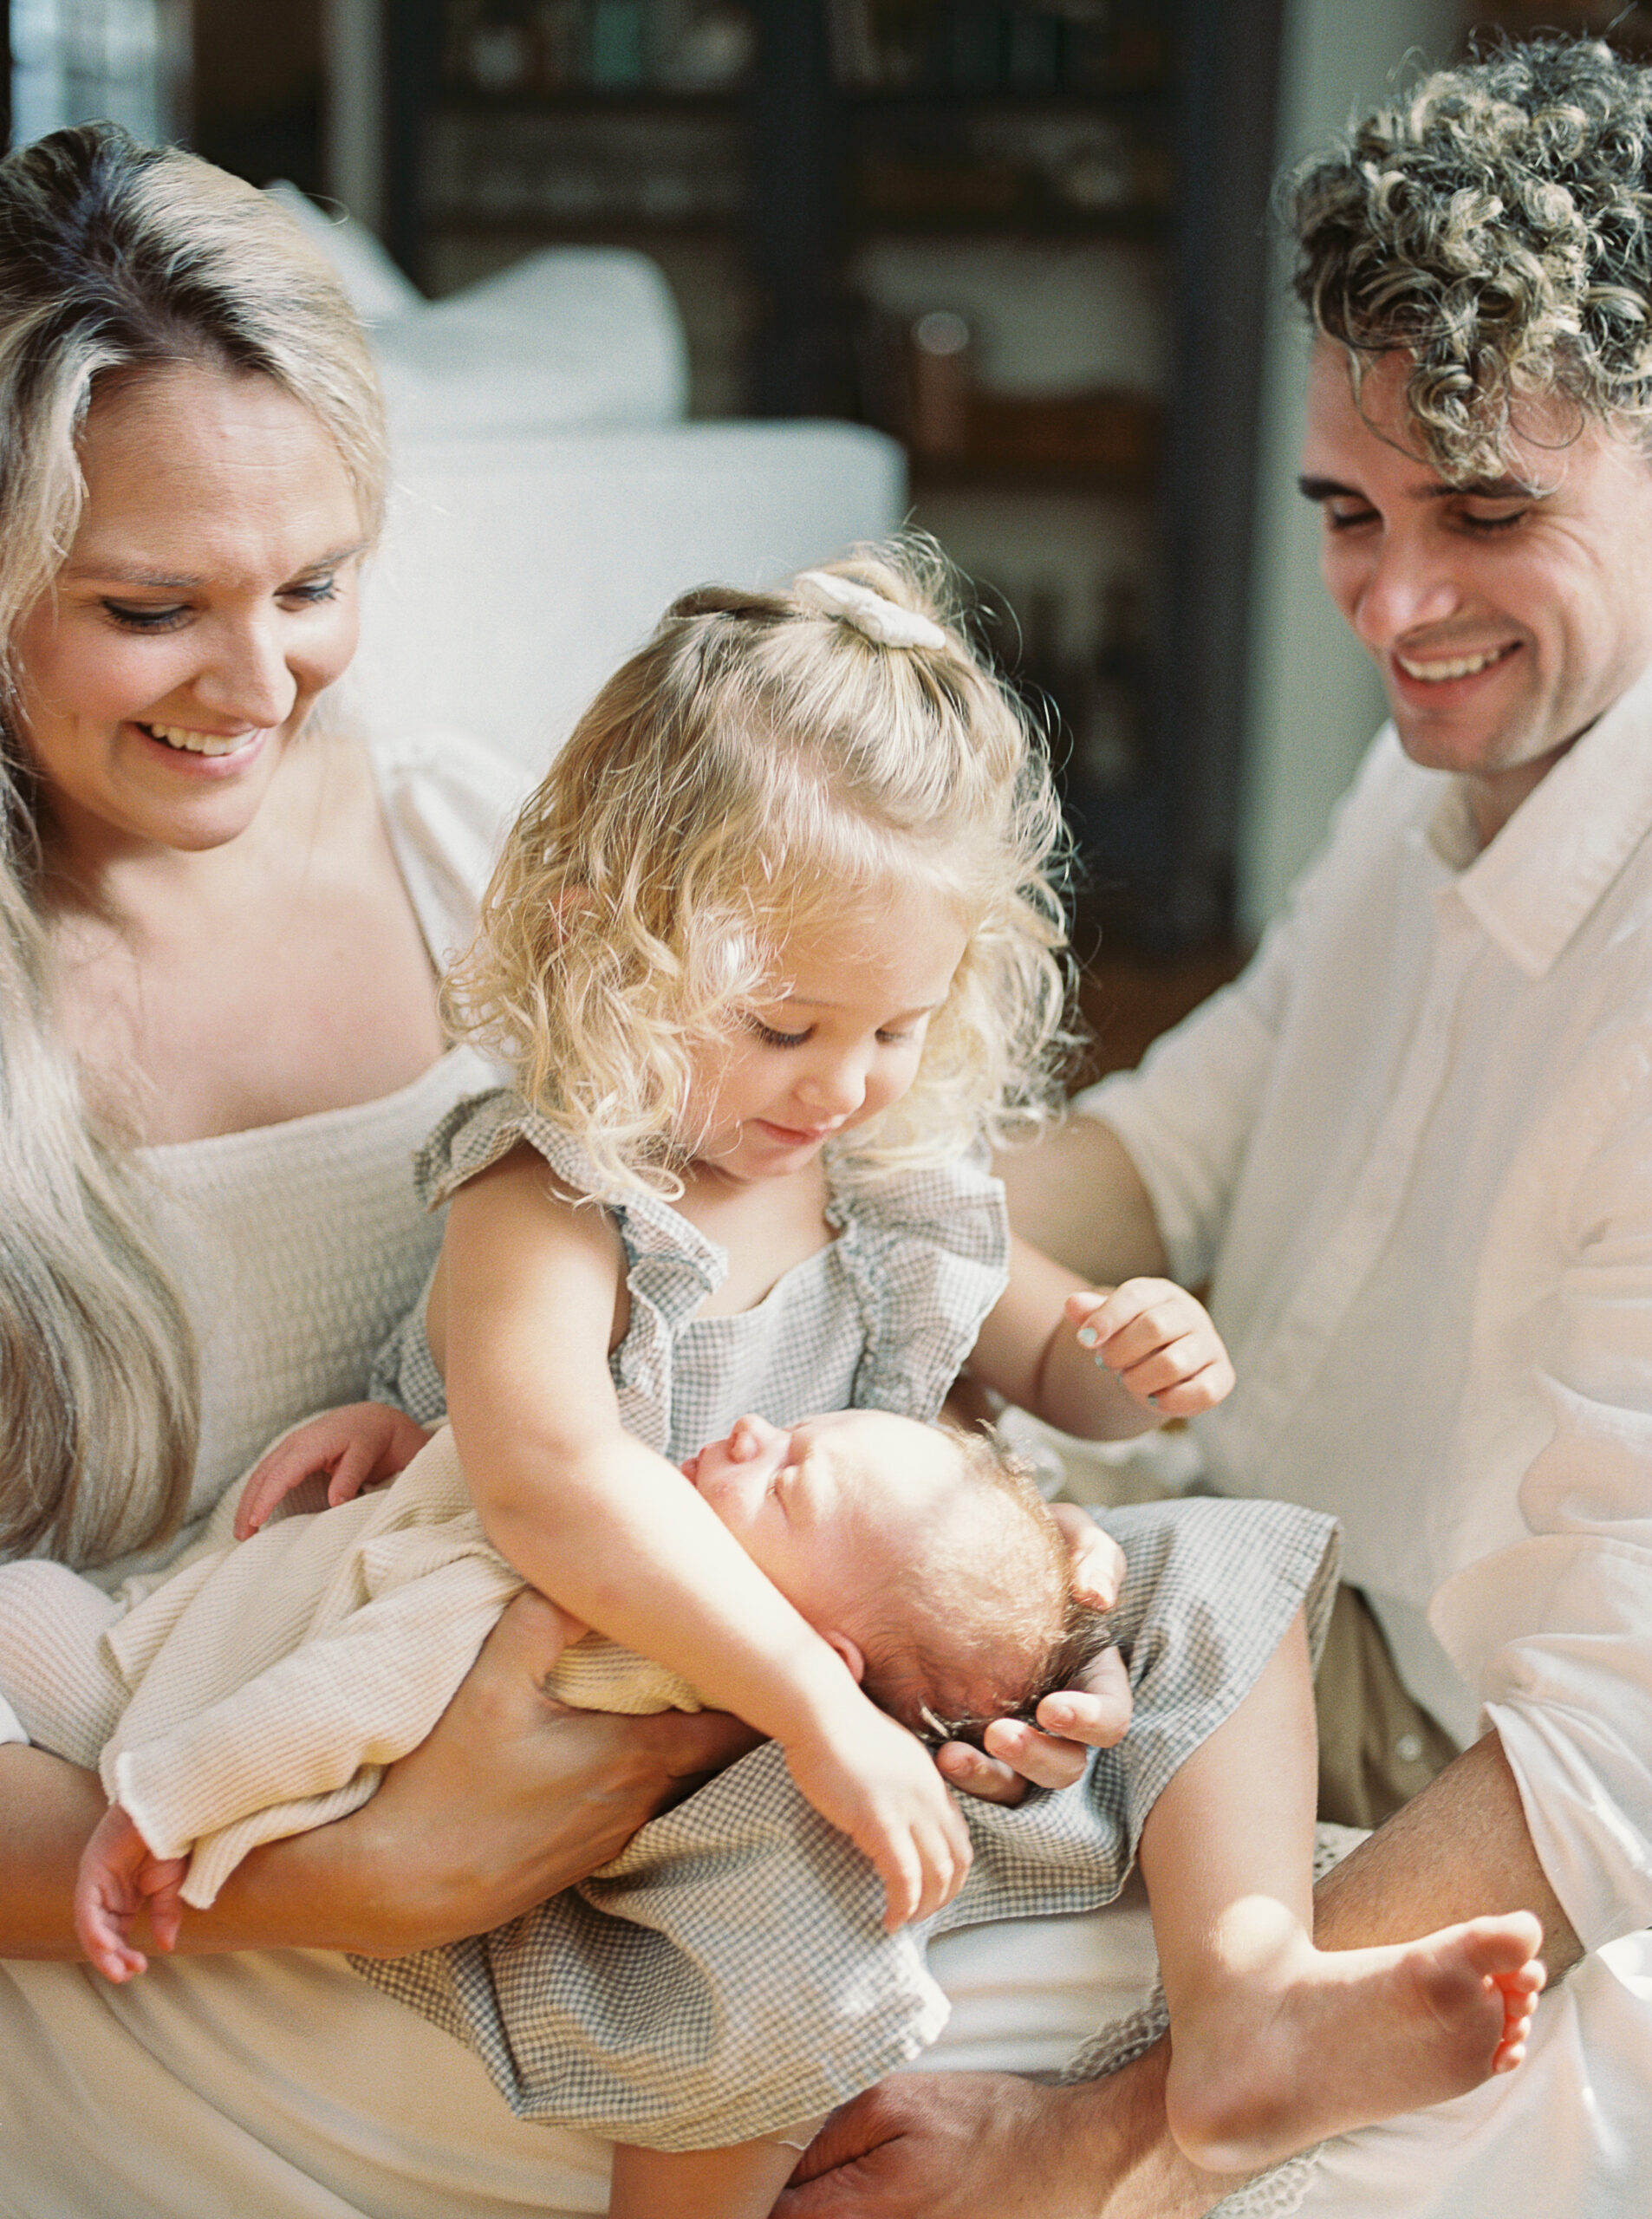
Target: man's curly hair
pixel 1496 224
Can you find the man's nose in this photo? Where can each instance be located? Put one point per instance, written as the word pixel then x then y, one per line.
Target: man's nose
pixel 1410 584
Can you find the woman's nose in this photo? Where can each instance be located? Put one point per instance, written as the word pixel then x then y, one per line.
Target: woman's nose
pixel 246 679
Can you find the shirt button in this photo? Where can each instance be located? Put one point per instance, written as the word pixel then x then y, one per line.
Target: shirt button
pixel 1408 1748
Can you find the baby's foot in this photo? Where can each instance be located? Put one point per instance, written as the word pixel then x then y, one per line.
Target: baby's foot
pixel 1332 2040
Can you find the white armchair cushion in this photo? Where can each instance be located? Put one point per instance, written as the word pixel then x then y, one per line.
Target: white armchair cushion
pixel 517 574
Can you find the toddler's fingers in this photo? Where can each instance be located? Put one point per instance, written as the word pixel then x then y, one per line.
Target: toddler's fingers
pixel 898 1869
pixel 1180 1386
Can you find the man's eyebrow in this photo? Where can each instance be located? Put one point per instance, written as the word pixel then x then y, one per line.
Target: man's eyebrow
pixel 1474 489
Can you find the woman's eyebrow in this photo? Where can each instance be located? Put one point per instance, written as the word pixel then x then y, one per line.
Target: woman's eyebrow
pixel 134 574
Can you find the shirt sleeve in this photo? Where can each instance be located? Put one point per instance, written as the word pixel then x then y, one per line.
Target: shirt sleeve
pixel 1555 1630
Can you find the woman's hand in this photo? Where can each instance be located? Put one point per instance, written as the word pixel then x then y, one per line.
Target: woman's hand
pixel 1093 1715
pixel 512 1797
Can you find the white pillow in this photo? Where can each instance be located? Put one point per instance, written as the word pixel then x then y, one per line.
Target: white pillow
pixel 569 338
pixel 378 291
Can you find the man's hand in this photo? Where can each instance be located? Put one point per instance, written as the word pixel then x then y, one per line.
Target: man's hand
pixel 987 2145
pixel 360 1446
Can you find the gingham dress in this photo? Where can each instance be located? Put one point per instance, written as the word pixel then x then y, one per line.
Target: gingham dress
pixel 729 1974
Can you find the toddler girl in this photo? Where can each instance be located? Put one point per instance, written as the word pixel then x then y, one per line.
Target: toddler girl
pixel 770 952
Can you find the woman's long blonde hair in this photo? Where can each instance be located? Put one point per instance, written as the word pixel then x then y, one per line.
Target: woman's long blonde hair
pixel 762 768
pixel 114 258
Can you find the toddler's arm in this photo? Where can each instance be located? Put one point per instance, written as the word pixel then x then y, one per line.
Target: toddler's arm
pixel 360 1446
pixel 1104 1364
pixel 522 1315
pixel 118 1877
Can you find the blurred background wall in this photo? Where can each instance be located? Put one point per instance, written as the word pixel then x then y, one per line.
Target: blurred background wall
pixel 1029 239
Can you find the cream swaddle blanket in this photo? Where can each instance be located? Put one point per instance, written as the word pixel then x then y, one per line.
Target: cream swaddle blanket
pixel 262 1687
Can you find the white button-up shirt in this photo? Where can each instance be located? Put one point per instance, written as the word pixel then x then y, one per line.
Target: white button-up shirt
pixel 1412 1151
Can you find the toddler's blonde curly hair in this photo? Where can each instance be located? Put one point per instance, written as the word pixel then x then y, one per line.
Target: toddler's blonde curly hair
pixel 1496 224
pixel 758 770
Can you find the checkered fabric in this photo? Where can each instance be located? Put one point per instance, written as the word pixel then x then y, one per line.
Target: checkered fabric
pixel 729 1972
pixel 883 1318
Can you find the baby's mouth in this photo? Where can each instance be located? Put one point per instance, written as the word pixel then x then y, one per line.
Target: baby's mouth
pixel 195 743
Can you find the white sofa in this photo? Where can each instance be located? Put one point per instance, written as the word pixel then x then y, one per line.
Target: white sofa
pixel 548 499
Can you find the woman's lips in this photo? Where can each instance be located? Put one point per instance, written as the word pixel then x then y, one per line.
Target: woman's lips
pixel 202 751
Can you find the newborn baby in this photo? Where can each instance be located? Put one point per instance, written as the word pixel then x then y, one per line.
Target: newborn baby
pixel 923 1556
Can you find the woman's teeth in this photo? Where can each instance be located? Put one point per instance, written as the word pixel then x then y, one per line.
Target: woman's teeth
pixel 1456 666
pixel 198 743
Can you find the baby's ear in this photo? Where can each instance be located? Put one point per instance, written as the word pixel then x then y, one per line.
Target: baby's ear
pixel 850 1653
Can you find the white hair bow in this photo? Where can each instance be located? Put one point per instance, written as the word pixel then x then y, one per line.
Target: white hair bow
pixel 886 622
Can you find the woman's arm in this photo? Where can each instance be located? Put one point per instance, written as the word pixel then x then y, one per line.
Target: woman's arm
pixel 510 1799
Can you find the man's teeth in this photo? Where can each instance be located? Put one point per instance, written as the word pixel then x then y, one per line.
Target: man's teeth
pixel 1457 666
pixel 198 743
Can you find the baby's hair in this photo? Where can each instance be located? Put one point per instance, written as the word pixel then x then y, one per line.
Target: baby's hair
pixel 754 769
pixel 988 1624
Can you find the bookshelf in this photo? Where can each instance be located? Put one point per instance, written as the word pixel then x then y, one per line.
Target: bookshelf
pixel 1029 240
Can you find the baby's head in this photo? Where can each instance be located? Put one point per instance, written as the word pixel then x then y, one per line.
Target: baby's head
pixel 925 1556
pixel 762 773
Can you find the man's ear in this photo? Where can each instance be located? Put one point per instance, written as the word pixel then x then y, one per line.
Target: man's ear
pixel 850 1653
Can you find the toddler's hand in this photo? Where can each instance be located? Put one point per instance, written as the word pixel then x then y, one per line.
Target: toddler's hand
pixel 1158 1343
pixel 893 1804
pixel 118 1877
pixel 360 1446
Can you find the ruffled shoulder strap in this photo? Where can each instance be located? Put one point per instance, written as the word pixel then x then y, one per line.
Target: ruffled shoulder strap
pixel 926 1253
pixel 671 1266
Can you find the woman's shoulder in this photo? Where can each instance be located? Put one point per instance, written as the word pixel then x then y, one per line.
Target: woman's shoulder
pixel 448 800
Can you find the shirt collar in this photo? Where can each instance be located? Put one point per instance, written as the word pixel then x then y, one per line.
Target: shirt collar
pixel 1532 888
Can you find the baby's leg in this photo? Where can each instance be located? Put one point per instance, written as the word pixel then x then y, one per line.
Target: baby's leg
pixel 119 1876
pixel 1275 2044
pixel 739 2182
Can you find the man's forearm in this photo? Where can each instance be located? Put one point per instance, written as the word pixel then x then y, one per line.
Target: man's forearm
pixel 1458 1850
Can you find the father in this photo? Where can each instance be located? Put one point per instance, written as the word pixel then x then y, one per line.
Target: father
pixel 1412 1151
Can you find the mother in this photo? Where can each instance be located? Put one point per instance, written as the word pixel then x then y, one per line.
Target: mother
pixel 219 930
pixel 220 925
